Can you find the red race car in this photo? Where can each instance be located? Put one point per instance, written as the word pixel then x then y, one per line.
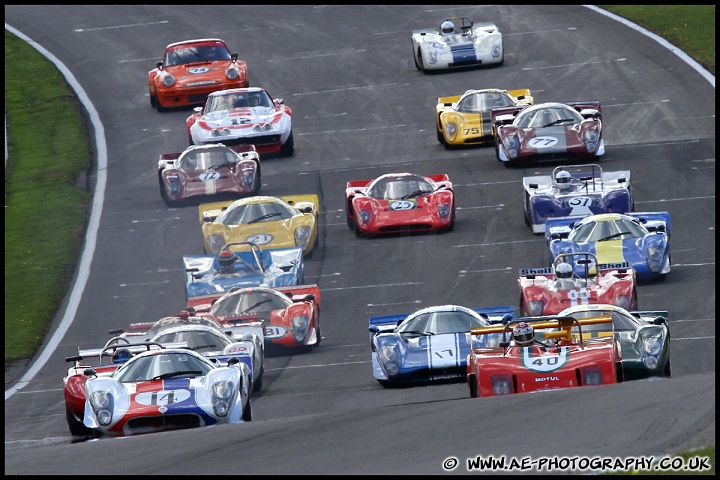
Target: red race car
pixel 550 290
pixel 545 353
pixel 208 170
pixel 191 70
pixel 400 203
pixel 290 315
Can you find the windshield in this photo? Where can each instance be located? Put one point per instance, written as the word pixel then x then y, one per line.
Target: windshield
pixel 227 101
pixel 433 323
pixel 183 54
pixel 396 188
pixel 257 212
pixel 607 230
pixel 238 304
pixel 621 322
pixel 172 322
pixel 163 365
pixel 206 158
pixel 484 102
pixel 548 117
pixel 201 341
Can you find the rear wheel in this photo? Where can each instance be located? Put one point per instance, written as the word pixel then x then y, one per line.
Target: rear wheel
pixel 415 60
pixel 472 383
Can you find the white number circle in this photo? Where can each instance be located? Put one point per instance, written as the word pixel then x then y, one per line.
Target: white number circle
pixel 260 238
pixel 402 205
pixel 209 176
pixel 543 142
pixel 198 70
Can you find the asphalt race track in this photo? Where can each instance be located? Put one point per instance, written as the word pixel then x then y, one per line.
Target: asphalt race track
pixel 360 109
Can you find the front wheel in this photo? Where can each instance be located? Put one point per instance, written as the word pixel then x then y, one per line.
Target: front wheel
pixel 77 428
pixel 288 147
pixel 247 412
pixel 472 384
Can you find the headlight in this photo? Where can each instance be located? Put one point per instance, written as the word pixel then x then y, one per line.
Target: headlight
pixel 232 73
pixel 220 132
pixel 432 58
pixel 265 127
pixel 299 327
pixel 590 138
pixel 215 243
pixel 496 51
pixel 443 211
pixel 512 146
pixel 535 308
pixel 168 80
pixel 222 396
pixel 392 359
pixel 592 375
pixel 302 237
pixel 623 301
pixel 451 131
pixel 652 345
pixel 654 255
pixel 102 404
pixel 364 217
pixel 501 384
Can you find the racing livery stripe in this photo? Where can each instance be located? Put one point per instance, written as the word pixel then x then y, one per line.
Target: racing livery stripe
pixel 463 54
pixel 609 251
pixel 443 351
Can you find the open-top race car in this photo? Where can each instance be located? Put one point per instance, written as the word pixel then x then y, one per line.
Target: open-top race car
pixel 641 239
pixel 548 132
pixel 144 387
pixel 457 42
pixel 290 316
pixel 643 335
pixel 210 169
pixel 555 353
pixel 206 276
pixel 575 190
pixel 429 345
pixel 465 119
pixel 400 203
pixel 192 69
pixel 243 116
pixel 549 290
pixel 271 222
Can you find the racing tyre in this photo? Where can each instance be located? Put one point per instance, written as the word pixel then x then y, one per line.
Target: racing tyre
pixel 247 412
pixel 317 334
pixel 472 383
pixel 420 64
pixel 288 147
pixel 668 371
pixel 416 62
pixel 634 305
pixel 153 101
pixel 77 428
pixel 257 384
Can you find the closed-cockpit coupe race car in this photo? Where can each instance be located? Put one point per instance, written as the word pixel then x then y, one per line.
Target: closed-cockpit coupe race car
pixel 575 190
pixel 548 132
pixel 641 239
pixel 210 169
pixel 560 356
pixel 243 116
pixel 271 222
pixel 457 42
pixel 190 70
pixel 429 345
pixel 465 119
pixel 399 203
pixel 549 290
pixel 144 387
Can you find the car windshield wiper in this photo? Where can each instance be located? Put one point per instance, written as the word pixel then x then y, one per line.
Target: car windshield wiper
pixel 261 302
pixel 226 164
pixel 264 217
pixel 416 193
pixel 559 120
pixel 177 374
pixel 194 52
pixel 416 332
pixel 614 235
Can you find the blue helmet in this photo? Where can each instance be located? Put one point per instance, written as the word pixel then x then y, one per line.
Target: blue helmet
pixel 121 355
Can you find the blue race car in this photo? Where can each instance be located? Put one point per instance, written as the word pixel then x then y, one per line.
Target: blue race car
pixel 208 275
pixel 640 239
pixel 575 190
pixel 431 344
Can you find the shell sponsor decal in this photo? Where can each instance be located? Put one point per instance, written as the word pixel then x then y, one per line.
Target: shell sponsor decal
pixel 260 238
pixel 545 362
pixel 402 204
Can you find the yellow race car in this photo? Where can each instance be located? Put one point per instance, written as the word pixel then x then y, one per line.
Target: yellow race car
pixel 465 119
pixel 271 222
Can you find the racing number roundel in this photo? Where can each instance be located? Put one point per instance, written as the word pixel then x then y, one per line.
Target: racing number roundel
pixel 209 176
pixel 162 398
pixel 198 70
pixel 542 142
pixel 545 362
pixel 402 205
pixel 260 238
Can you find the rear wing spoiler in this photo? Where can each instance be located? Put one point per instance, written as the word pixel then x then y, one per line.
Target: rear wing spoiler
pixel 564 323
pixel 110 347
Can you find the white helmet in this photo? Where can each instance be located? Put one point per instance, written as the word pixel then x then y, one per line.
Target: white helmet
pixel 523 334
pixel 447 27
pixel 563 270
pixel 563 180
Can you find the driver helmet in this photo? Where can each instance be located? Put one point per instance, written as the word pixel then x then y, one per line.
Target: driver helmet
pixel 563 270
pixel 254 100
pixel 226 260
pixel 447 27
pixel 121 355
pixel 563 180
pixel 523 334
